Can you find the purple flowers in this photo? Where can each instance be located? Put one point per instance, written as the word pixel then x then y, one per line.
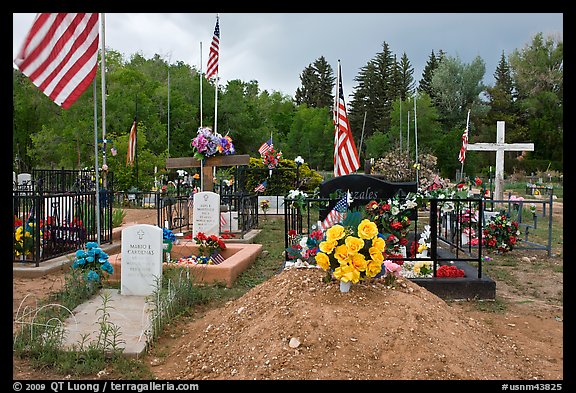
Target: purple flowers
pixel 209 143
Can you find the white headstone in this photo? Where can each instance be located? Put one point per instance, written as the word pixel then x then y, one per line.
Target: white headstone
pixel 206 213
pixel 141 260
pixel 24 181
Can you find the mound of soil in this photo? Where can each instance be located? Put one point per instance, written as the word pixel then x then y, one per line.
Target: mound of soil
pixel 296 326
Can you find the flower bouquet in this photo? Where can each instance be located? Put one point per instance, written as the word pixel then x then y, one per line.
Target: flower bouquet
pixel 209 248
pixel 23 238
pixel 271 159
pixel 209 143
pixel 352 254
pixel 303 250
pixel 265 205
pixel 93 262
pixel 501 234
pixel 297 198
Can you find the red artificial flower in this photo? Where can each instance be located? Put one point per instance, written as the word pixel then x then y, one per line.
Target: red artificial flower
pixel 403 241
pixel 396 225
pixel 292 233
pixel 449 271
pixel 478 181
pixel 460 185
pixel 372 205
pixel 17 223
pixel 385 207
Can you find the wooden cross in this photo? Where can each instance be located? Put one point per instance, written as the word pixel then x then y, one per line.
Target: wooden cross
pixel 207 166
pixel 500 147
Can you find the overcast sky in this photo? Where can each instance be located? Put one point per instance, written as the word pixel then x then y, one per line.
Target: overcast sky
pixel 274 48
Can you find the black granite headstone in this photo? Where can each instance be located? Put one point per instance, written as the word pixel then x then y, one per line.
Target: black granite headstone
pixel 363 189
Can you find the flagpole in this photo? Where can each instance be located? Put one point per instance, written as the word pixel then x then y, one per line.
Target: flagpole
pixel 336 120
pixel 408 136
pixel 169 106
pixel 103 70
pixel 462 166
pixel 201 76
pixel 96 163
pixel 416 136
pixel 400 124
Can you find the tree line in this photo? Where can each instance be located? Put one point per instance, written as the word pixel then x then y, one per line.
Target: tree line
pixel 527 94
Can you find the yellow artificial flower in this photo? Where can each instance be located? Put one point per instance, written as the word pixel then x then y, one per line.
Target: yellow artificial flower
pixel 354 244
pixel 323 260
pixel 18 234
pixel 328 246
pixel 335 232
pixel 367 229
pixel 417 266
pixel 341 252
pixel 358 261
pixel 421 248
pixel 379 243
pixel 347 273
pixel 373 268
pixel 376 254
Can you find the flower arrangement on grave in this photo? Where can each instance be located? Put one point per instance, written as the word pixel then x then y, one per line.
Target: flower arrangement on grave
pixel 23 238
pixel 303 249
pixel 352 253
pixel 449 271
pixel 264 205
pixel 208 143
pixel 209 248
pixel 93 262
pixel 297 198
pixel 501 234
pixel 272 158
pixel 392 218
pixel 168 238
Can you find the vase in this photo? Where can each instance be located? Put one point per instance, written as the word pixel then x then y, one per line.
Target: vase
pixel 345 286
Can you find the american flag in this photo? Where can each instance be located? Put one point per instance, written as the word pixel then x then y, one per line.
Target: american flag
pixel 337 214
pixel 212 68
pixel 462 154
pixel 346 159
pixel 222 220
pixel 131 153
pixel 260 187
pixel 60 55
pixel 217 258
pixel 266 147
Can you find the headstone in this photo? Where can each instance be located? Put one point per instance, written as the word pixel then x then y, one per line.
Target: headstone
pixel 500 147
pixel 14 180
pixel 363 189
pixel 24 181
pixel 206 213
pixel 141 260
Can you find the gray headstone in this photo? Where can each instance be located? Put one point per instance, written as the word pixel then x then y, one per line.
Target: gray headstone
pixel 24 181
pixel 206 213
pixel 141 260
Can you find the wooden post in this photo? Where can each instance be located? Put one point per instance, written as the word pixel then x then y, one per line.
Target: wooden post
pixel 208 165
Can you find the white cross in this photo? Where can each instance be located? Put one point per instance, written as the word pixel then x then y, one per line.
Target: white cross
pixel 500 147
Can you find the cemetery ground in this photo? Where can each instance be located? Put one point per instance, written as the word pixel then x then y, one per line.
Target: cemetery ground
pixel 292 325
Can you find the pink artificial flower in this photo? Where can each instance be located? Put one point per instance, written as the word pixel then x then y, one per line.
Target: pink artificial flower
pixel 392 268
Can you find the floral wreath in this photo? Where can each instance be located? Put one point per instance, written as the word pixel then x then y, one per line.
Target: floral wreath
pixel 210 143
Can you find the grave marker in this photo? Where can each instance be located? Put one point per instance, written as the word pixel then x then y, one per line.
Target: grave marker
pixel 206 213
pixel 500 147
pixel 141 260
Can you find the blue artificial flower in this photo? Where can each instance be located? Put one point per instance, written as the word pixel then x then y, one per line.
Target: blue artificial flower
pixel 107 267
pixel 80 254
pixel 91 245
pixel 92 276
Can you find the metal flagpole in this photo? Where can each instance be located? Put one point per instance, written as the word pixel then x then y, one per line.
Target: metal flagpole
pixel 169 107
pixel 103 65
pixel 201 83
pixel 336 121
pixel 400 124
pixel 408 136
pixel 96 164
pixel 416 136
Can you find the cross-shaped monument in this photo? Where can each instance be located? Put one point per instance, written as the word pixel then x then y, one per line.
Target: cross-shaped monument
pixel 207 166
pixel 500 147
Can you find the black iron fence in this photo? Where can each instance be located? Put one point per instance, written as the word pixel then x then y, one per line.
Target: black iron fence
pixel 48 225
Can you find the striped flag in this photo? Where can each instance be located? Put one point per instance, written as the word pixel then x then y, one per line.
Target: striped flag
pixel 266 147
pixel 217 258
pixel 346 159
pixel 337 214
pixel 222 220
pixel 60 55
pixel 212 68
pixel 462 154
pixel 260 187
pixel 131 153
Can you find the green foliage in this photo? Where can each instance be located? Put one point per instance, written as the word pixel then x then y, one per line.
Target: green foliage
pixel 118 217
pixel 317 82
pixel 283 178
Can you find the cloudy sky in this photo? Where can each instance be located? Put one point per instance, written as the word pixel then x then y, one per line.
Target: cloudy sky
pixel 274 48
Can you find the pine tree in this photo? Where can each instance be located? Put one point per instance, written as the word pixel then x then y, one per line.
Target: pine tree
pixel 425 84
pixel 317 85
pixel 406 72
